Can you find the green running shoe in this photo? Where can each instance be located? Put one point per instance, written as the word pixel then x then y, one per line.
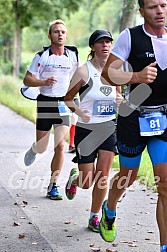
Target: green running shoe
pixel 70 188
pixel 107 227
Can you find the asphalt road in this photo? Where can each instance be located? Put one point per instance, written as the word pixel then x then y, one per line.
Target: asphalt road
pixel 30 222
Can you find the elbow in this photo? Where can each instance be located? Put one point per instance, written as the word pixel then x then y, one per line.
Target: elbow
pixel 65 98
pixel 29 79
pixel 67 101
pixel 24 81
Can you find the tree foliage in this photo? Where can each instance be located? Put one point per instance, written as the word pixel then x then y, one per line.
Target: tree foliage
pixel 6 29
pixel 81 17
pixel 21 14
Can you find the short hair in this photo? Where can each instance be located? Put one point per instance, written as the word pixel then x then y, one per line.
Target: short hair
pixel 141 3
pixel 56 21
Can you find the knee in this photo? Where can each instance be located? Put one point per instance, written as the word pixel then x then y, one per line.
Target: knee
pixel 162 188
pixel 60 147
pixel 101 179
pixel 85 182
pixel 102 174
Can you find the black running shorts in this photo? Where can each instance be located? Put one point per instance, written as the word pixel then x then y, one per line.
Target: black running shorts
pixel 48 114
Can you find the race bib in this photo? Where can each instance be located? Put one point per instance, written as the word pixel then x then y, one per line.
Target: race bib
pixel 105 108
pixel 63 109
pixel 152 124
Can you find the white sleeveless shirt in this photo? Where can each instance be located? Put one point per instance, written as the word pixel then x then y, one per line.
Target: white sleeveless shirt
pixel 99 99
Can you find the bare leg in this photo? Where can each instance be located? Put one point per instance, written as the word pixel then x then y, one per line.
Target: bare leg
pixel 160 172
pixel 101 179
pixel 60 135
pixel 42 139
pixel 119 183
pixel 86 176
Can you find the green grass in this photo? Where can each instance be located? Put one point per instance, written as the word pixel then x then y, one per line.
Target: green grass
pixel 11 97
pixel 83 54
pixel 145 174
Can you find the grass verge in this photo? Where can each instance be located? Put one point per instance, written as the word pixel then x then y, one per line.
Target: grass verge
pixel 11 97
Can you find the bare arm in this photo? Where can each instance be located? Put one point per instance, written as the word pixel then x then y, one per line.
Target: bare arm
pixel 119 97
pixel 31 81
pixel 119 89
pixel 78 80
pixel 113 75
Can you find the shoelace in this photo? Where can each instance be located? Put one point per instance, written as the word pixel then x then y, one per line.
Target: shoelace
pixel 109 222
pixel 55 186
pixel 51 187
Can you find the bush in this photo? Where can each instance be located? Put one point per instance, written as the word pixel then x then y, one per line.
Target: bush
pixel 6 68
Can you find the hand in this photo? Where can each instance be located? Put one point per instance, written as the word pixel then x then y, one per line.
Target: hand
pixel 148 74
pixel 119 99
pixel 50 81
pixel 85 116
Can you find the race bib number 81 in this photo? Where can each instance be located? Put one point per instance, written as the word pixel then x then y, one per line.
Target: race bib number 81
pixel 152 124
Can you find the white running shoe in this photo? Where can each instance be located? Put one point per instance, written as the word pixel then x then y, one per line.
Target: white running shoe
pixel 29 157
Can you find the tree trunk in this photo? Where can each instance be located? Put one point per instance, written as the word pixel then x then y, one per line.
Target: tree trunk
pixel 128 14
pixel 9 44
pixel 7 49
pixel 17 51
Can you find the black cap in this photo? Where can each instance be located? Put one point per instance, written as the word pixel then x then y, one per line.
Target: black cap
pixel 99 34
